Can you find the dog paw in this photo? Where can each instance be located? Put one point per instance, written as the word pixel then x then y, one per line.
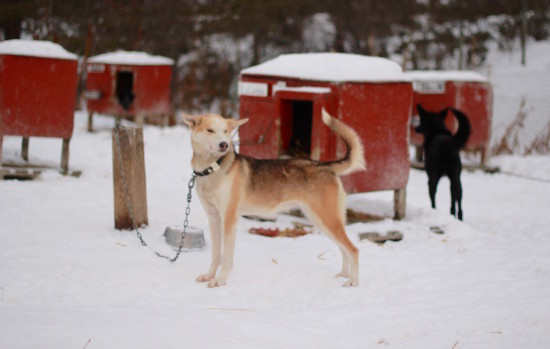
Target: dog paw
pixel 342 274
pixel 351 283
pixel 217 282
pixel 205 277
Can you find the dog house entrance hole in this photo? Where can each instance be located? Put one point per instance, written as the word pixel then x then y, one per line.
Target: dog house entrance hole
pixel 124 88
pixel 298 120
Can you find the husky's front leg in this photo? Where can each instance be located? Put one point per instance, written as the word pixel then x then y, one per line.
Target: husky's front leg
pixel 229 237
pixel 214 221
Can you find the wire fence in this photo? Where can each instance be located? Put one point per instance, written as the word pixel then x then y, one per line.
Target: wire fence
pixel 521 113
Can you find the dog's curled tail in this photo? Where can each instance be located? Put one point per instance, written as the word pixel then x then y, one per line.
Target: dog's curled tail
pixel 354 159
pixel 464 129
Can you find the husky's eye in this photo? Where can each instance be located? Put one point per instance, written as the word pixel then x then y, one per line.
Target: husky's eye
pixel 226 132
pixel 210 130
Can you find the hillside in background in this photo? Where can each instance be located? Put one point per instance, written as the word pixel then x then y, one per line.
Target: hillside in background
pixel 211 41
pixel 425 33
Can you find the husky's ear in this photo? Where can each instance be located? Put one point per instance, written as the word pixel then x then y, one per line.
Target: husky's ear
pixel 192 120
pixel 234 124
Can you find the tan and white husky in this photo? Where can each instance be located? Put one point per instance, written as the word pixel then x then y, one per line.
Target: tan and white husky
pixel 230 184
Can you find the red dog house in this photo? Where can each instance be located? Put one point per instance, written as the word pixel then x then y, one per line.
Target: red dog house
pixel 283 99
pixel 38 81
pixel 467 91
pixel 129 84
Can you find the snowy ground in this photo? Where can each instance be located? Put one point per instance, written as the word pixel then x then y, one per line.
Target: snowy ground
pixel 68 279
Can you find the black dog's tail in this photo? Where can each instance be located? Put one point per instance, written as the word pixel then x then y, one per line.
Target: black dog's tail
pixel 464 129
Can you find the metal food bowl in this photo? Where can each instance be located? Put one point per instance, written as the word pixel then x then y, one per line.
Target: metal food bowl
pixel 192 241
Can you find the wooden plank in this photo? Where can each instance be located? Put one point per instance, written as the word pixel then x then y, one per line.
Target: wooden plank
pixel 467 167
pixel 19 174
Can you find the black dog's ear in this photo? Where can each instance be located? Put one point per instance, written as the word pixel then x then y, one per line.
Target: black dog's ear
pixel 443 114
pixel 419 128
pixel 420 122
pixel 420 109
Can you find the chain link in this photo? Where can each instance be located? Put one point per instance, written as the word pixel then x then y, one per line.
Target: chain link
pixel 190 186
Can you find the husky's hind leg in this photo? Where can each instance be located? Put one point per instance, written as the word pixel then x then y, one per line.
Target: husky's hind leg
pixel 328 214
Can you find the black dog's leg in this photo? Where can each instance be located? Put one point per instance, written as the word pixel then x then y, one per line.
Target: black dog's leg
pixel 456 196
pixel 453 200
pixel 432 185
pixel 459 201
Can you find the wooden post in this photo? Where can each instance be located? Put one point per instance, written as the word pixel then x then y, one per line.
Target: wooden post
pixel 65 156
pixel 1 141
pixel 25 148
pixel 484 155
pixel 399 203
pixel 90 121
pixel 419 153
pixel 140 119
pixel 132 188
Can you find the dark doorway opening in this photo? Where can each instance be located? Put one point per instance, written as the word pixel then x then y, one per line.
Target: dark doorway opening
pixel 124 89
pixel 296 126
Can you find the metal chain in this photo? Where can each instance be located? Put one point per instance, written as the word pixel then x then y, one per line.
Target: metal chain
pixel 190 185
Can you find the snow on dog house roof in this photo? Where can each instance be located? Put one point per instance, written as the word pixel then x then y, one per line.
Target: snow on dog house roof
pixel 130 58
pixel 31 48
pixel 447 75
pixel 337 67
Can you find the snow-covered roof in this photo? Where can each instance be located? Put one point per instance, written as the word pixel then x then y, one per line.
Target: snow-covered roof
pixel 130 58
pixel 337 67
pixel 445 75
pixel 35 48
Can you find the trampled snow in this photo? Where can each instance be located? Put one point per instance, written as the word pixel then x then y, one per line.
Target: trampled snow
pixel 337 67
pixel 68 279
pixel 35 48
pixel 130 58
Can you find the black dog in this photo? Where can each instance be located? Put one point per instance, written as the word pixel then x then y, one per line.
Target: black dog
pixel 441 151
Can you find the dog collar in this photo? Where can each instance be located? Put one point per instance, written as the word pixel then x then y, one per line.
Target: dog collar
pixel 215 166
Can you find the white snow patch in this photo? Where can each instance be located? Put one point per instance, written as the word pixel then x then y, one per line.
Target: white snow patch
pixel 447 75
pixel 532 166
pixel 337 67
pixel 306 89
pixel 35 48
pixel 130 58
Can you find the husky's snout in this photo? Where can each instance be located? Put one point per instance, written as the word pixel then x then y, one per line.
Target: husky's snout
pixel 223 146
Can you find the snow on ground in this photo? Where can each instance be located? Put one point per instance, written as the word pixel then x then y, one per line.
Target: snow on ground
pixel 68 279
